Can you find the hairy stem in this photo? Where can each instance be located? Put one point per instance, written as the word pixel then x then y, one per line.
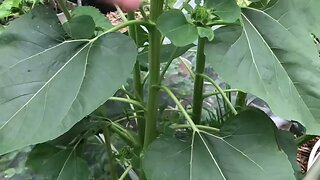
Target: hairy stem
pixel 198 84
pixel 156 8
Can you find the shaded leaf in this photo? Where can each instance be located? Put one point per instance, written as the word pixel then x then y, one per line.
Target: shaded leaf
pixel 174 25
pixel 48 84
pixel 273 57
pixel 245 148
pixel 80 27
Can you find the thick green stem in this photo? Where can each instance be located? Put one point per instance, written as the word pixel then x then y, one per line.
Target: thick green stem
pixel 63 7
pixel 156 8
pixel 198 84
pixel 112 164
pixel 137 84
pixel 241 100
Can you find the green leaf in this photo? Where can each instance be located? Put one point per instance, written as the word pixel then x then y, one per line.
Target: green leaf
pixel 80 27
pixel 99 19
pixel 227 10
pixel 56 163
pixel 206 32
pixel 245 148
pixel 48 84
pixel 309 11
pixel 167 53
pixel 174 25
pixel 273 57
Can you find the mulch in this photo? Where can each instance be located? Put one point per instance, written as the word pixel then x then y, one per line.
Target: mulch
pixel 304 152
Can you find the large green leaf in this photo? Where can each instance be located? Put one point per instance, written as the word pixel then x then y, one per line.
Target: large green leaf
pixel 56 163
pixel 309 10
pixel 245 148
pixel 47 84
pixel 273 57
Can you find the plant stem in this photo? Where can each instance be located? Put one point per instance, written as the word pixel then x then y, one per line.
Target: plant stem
pixel 156 8
pixel 112 166
pixel 217 93
pixel 183 111
pixel 137 85
pixel 125 24
pixel 198 84
pixel 188 68
pixel 125 173
pixel 64 9
pixel 130 101
pixel 201 127
pixel 241 100
pixel 224 96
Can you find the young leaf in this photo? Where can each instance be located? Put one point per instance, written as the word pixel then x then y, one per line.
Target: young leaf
pixel 245 148
pixel 80 27
pixel 48 84
pixel 174 25
pixel 99 19
pixel 227 10
pixel 56 163
pixel 273 57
